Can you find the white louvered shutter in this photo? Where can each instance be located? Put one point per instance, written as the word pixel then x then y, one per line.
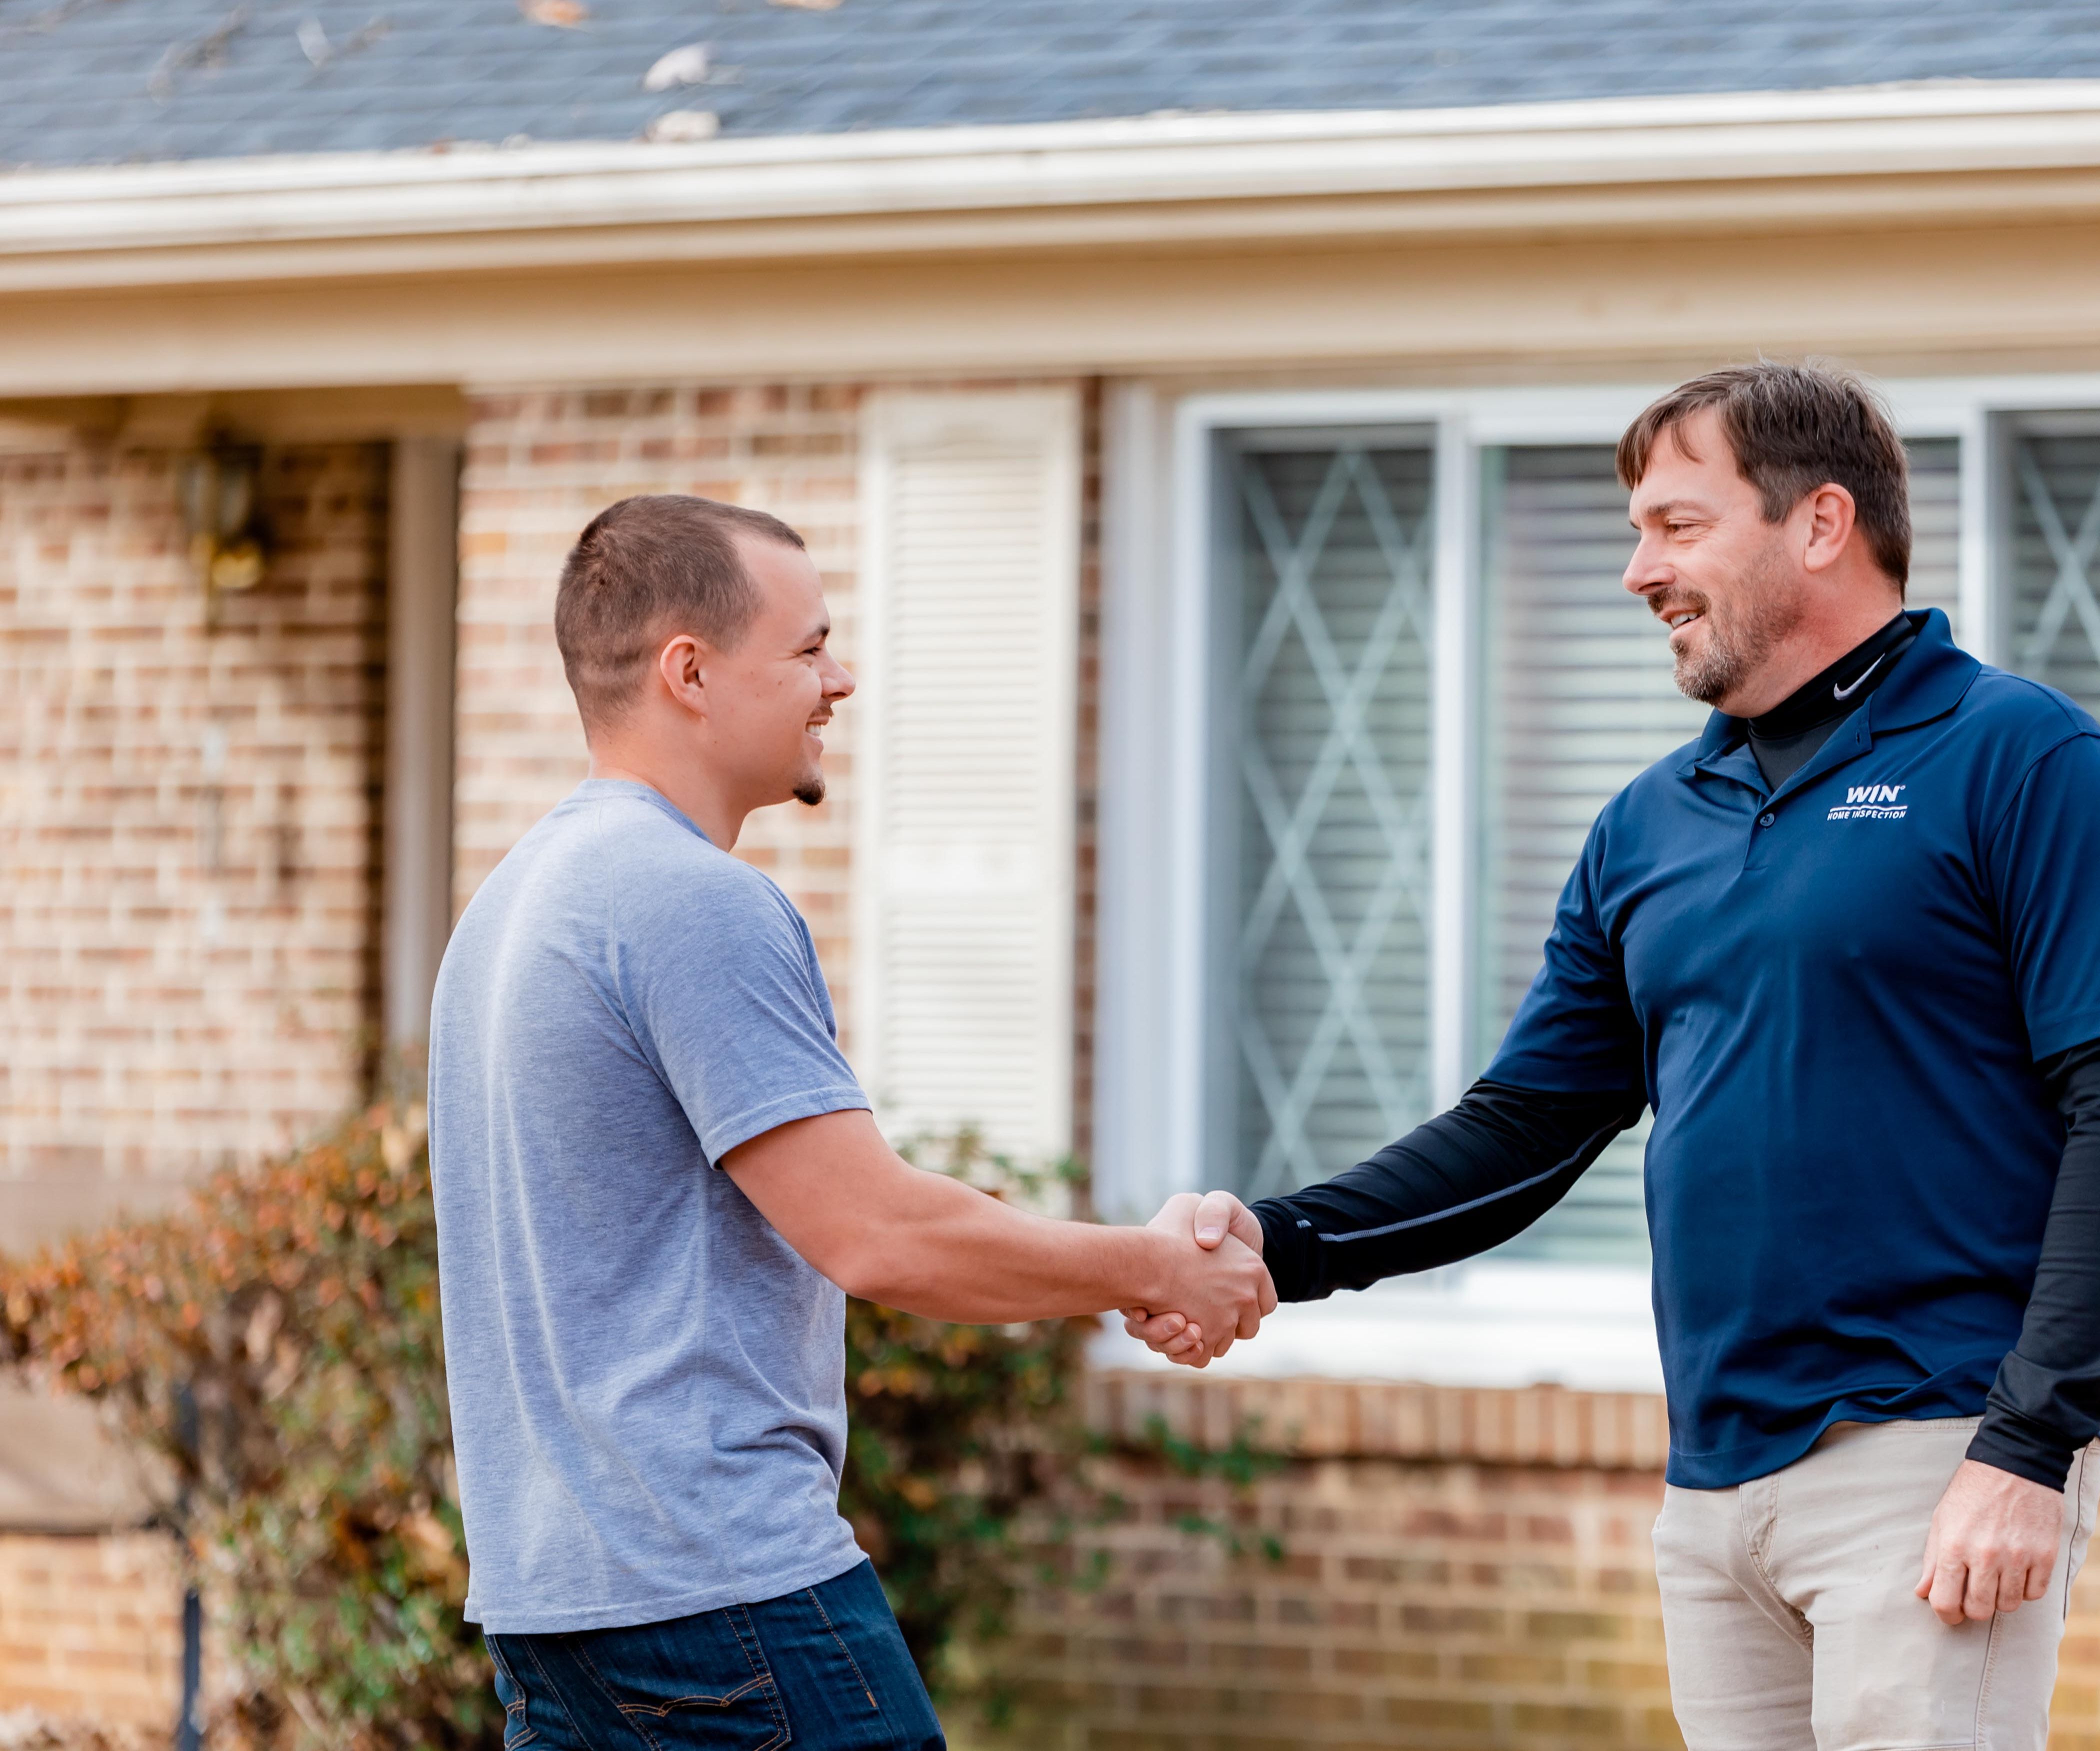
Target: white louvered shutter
pixel 968 607
pixel 1579 700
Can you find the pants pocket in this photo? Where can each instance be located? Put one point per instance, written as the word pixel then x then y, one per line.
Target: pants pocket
pixel 700 1681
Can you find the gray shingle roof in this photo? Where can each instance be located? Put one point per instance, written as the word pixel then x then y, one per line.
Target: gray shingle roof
pixel 85 81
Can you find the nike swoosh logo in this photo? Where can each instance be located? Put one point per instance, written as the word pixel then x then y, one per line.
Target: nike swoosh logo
pixel 1846 693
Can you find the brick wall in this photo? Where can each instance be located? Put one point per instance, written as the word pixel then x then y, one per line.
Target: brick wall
pixel 91 1628
pixel 540 465
pixel 1460 1569
pixel 188 906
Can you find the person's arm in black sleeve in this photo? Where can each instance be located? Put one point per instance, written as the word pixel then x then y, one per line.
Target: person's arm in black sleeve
pixel 2045 1402
pixel 1466 1180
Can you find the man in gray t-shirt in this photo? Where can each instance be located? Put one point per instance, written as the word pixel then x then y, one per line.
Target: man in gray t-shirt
pixel 656 1174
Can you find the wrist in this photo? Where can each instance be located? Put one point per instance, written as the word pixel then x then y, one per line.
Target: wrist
pixel 1152 1269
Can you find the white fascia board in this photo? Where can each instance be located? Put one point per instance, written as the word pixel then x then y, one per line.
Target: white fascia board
pixel 461 208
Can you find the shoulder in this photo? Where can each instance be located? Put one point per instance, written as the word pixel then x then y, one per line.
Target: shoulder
pixel 2013 708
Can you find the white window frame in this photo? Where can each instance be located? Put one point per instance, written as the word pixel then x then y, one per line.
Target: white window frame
pixel 1490 1323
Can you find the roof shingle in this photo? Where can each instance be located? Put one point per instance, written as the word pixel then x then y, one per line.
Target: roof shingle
pixel 89 82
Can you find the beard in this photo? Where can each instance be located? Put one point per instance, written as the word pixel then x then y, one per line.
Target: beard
pixel 810 791
pixel 1739 641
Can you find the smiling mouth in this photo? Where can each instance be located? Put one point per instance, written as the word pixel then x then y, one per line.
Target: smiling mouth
pixel 1682 618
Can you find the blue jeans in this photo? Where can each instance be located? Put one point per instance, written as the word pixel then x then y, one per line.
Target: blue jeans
pixel 824 1668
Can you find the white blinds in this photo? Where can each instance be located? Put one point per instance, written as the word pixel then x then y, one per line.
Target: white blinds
pixel 1935 506
pixel 1578 700
pixel 967 660
pixel 2052 614
pixel 1323 804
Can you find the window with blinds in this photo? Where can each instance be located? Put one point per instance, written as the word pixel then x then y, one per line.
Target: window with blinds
pixel 2051 616
pixel 1321 801
pixel 1577 698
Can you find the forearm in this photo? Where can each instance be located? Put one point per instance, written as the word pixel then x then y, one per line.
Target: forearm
pixel 939 1248
pixel 2045 1402
pixel 1468 1180
pixel 924 1243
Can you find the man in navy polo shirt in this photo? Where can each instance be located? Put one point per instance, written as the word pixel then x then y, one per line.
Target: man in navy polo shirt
pixel 1846 945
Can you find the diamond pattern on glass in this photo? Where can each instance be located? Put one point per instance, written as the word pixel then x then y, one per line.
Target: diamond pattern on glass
pixel 1330 1029
pixel 2055 629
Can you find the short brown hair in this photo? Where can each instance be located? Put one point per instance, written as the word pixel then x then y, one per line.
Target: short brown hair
pixel 643 569
pixel 1794 427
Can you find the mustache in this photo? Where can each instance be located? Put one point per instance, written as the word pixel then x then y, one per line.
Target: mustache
pixel 1664 603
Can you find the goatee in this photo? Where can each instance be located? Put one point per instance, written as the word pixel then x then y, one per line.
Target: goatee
pixel 810 792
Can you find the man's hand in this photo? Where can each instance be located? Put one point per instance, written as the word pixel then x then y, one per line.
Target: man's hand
pixel 1210 1220
pixel 1992 1543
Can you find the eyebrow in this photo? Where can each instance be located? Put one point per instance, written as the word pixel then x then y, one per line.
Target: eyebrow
pixel 1668 507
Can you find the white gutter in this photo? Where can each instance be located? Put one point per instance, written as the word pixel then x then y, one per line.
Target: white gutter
pixel 1068 182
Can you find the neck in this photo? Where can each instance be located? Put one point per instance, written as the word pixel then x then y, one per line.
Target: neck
pixel 1810 649
pixel 692 793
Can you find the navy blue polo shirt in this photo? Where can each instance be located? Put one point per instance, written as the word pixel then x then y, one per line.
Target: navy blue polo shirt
pixel 1833 995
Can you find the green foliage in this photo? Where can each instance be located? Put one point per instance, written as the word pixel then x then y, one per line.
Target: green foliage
pixel 954 1432
pixel 276 1345
pixel 1242 1465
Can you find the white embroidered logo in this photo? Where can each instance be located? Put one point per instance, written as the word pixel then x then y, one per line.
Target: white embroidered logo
pixel 1872 802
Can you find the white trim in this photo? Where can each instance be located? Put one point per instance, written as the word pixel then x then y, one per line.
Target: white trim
pixel 1589 1329
pixel 1454 739
pixel 1143 872
pixel 572 203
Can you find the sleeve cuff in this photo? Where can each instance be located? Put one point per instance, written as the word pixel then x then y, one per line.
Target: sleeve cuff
pixel 784 1109
pixel 2017 1444
pixel 1286 1244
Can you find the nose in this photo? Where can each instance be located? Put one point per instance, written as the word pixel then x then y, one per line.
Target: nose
pixel 1646 570
pixel 838 683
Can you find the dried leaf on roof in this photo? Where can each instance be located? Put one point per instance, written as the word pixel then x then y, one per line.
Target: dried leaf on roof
pixel 685 66
pixel 567 15
pixel 682 126
pixel 206 51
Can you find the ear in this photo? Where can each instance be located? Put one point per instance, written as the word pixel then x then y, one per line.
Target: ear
pixel 1831 517
pixel 681 666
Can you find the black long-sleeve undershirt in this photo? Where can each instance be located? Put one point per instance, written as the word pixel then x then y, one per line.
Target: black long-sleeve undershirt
pixel 1481 1173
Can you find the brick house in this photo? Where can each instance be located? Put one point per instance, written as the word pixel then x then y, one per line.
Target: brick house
pixel 1202 421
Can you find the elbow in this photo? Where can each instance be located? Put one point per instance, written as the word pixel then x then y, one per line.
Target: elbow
pixel 854 1266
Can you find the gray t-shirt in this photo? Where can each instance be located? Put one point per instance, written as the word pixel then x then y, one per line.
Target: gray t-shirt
pixel 647 1383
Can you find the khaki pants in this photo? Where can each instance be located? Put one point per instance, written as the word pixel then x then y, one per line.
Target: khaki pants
pixel 1791 1624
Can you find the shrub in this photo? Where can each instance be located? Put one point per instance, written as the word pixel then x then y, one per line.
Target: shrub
pixel 277 1345
pixel 953 1431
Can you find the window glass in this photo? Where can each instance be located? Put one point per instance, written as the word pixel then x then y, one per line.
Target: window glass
pixel 1321 798
pixel 2052 616
pixel 1578 699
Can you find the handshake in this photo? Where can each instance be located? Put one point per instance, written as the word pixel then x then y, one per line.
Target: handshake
pixel 1220 1289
